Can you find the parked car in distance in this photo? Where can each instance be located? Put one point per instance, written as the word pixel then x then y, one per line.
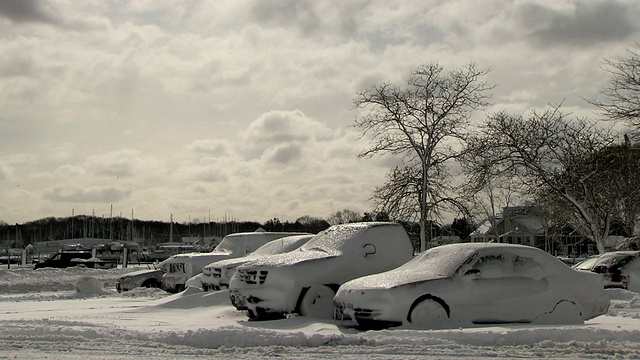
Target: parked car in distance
pixel 472 284
pixel 218 274
pixel 73 258
pixel 619 269
pixel 305 280
pixel 149 278
pixel 180 268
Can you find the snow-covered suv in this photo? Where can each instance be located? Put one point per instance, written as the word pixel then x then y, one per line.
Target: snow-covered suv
pixel 179 268
pixel 218 274
pixel 304 281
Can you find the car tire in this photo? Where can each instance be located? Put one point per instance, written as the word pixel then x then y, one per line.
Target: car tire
pixel 151 283
pixel 260 314
pixel 317 302
pixel 427 314
pixel 565 312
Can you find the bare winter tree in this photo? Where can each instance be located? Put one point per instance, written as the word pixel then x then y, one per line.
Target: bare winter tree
pixel 490 196
pixel 622 95
pixel 344 217
pixel 422 122
pixel 551 152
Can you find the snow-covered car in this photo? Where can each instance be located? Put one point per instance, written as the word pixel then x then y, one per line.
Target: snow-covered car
pixel 305 280
pixel 150 278
pixel 218 274
pixel 471 284
pixel 619 269
pixel 181 267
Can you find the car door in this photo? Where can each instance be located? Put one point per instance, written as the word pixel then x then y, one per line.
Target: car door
pixel 503 287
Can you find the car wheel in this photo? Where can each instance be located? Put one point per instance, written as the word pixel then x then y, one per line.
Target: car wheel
pixel 317 302
pixel 255 315
pixel 151 283
pixel 260 314
pixel 565 312
pixel 427 314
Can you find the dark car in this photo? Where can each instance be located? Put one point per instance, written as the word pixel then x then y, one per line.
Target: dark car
pixel 616 267
pixel 73 258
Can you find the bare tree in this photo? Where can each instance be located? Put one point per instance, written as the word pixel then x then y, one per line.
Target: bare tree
pixel 622 95
pixel 344 217
pixel 423 123
pixel 552 153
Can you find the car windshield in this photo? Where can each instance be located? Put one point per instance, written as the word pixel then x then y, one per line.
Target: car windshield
pixel 332 240
pixel 439 260
pixel 586 264
pixel 231 244
pixel 614 260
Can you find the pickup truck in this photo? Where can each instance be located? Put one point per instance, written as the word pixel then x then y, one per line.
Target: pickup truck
pixel 73 258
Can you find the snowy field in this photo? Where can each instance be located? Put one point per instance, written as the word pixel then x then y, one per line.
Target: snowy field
pixel 76 313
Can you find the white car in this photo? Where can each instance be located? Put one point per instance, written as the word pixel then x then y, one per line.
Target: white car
pixel 472 284
pixel 218 274
pixel 180 268
pixel 304 281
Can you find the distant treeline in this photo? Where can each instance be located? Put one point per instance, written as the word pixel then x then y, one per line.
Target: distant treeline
pixel 122 229
pixel 150 232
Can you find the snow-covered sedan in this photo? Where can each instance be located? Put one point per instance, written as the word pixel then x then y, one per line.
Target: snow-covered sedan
pixel 619 269
pixel 470 284
pixel 218 274
pixel 305 280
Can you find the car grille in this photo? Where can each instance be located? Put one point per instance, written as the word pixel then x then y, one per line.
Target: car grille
pixel 253 277
pixel 216 273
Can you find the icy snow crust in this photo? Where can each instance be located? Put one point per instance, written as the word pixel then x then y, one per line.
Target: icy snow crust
pixel 42 316
pixel 477 284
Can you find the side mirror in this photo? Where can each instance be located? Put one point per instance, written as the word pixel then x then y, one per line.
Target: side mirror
pixel 472 273
pixel 369 249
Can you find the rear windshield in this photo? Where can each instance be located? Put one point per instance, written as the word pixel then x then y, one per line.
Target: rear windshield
pixel 614 260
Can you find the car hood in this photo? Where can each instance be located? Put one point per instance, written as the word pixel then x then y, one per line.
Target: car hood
pixel 142 272
pixel 200 255
pixel 230 263
pixel 291 258
pixel 394 278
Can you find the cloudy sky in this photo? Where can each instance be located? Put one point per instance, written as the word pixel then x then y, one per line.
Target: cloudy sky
pixel 245 108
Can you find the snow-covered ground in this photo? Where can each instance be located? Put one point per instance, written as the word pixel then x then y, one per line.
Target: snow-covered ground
pixel 65 314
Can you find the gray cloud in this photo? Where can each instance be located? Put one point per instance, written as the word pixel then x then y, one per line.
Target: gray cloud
pixel 209 147
pixel 4 173
pixel 26 11
pixel 280 134
pixel 288 13
pixel 283 154
pixel 120 163
pixel 107 194
pixel 589 23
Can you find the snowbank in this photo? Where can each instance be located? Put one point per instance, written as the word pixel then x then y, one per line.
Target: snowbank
pixel 151 324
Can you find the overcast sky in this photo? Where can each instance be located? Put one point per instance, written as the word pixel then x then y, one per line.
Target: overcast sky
pixel 245 108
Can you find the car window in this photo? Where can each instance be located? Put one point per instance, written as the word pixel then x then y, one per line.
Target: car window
pixel 586 264
pixel 527 266
pixel 494 265
pixel 332 240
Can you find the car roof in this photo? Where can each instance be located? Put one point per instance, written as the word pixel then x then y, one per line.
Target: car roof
pixel 478 246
